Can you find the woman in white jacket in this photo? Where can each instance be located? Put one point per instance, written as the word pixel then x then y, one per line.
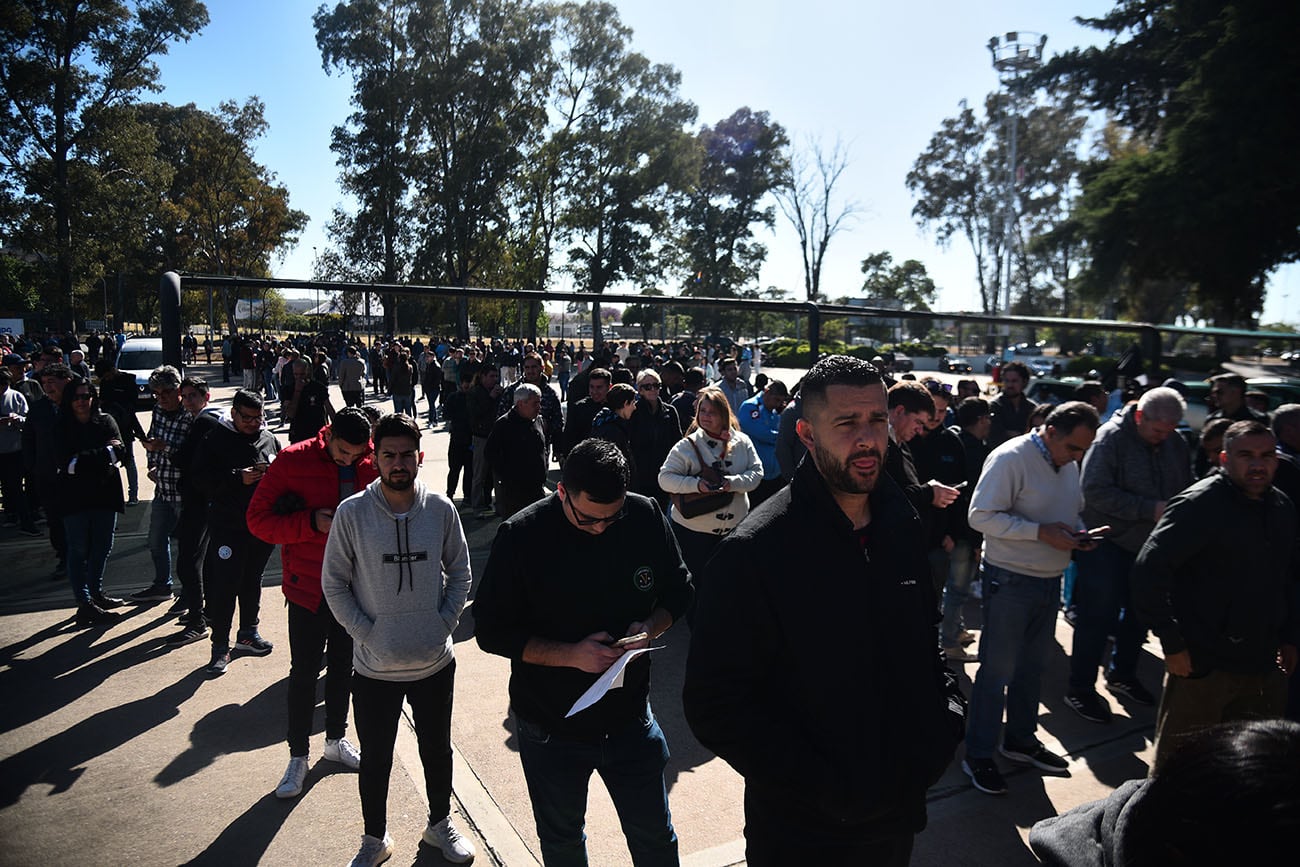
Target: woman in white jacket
pixel 713 440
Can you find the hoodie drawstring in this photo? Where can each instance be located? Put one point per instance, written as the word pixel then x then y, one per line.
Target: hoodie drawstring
pixel 403 554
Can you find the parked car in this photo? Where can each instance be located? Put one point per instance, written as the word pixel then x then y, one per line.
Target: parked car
pixel 954 364
pixel 1045 389
pixel 902 364
pixel 1041 366
pixel 138 357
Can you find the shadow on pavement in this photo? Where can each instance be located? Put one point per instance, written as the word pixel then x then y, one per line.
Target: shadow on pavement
pixel 231 728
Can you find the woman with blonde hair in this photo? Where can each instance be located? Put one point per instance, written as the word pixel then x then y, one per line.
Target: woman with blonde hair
pixel 707 474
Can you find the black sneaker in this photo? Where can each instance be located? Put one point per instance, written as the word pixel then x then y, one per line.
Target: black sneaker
pixel 1090 706
pixel 1132 690
pixel 220 659
pixel 153 593
pixel 188 635
pixel 984 775
pixel 107 601
pixel 30 531
pixel 178 607
pixel 253 644
pixel 1034 753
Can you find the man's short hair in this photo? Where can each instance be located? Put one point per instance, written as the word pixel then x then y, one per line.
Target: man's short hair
pixel 525 391
pixel 1241 429
pixel 197 383
pixel 1236 380
pixel 777 387
pixel 246 397
pixel 352 425
pixel 1215 427
pixel 971 410
pixel 62 371
pixel 596 467
pixel 599 373
pixel 165 376
pixel 1162 404
pixel 1017 367
pixel 1286 417
pixel 912 397
pixel 397 424
pixel 695 378
pixel 620 395
pixel 836 370
pixel 1088 390
pixel 1069 415
pixel 674 367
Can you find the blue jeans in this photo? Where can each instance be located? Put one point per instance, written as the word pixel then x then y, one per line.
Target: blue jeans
pixel 404 403
pixel 163 516
pixel 631 764
pixel 90 539
pixel 1019 624
pixel 1102 607
pixel 961 569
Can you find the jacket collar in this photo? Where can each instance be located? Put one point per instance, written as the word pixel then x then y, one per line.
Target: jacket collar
pixel 889 508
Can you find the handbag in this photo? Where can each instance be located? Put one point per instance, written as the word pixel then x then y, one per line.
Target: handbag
pixel 695 504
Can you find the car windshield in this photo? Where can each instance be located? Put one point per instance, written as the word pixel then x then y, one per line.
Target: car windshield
pixel 141 359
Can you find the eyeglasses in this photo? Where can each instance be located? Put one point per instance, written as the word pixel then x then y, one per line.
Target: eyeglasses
pixel 650 386
pixel 585 520
pixel 242 417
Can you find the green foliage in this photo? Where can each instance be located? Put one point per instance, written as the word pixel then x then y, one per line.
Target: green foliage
pixel 1212 197
pixel 18 292
pixel 915 350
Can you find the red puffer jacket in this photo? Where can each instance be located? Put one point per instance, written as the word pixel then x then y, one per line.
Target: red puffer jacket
pixel 302 479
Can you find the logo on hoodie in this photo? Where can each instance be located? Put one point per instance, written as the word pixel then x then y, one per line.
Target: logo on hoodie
pixel 644 578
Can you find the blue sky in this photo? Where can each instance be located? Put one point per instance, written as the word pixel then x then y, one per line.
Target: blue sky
pixel 879 76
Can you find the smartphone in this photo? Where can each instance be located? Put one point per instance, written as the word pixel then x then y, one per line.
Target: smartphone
pixel 630 639
pixel 1096 534
pixel 961 485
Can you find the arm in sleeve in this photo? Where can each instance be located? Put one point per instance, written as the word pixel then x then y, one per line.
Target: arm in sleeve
pixel 1176 540
pixel 265 523
pixel 756 428
pixel 746 456
pixel 211 475
pixel 336 580
pixel 677 591
pixel 455 565
pixel 501 624
pixel 1101 491
pixel 679 474
pixel 991 506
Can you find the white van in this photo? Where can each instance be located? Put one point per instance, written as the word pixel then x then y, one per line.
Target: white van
pixel 138 357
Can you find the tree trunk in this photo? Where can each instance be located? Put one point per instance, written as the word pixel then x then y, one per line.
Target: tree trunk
pixel 596 338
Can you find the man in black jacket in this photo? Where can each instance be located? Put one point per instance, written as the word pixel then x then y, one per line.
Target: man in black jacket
pixel 231 460
pixel 1216 580
pixel 516 452
pixel 559 621
pixel 840 721
pixel 582 413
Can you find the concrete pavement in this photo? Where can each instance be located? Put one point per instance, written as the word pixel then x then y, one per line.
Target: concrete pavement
pixel 115 748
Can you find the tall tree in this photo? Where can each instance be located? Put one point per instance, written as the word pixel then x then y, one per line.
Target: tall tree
pixel 1215 200
pixel 375 146
pixel 479 82
pixel 807 198
pixel 742 160
pixel 62 64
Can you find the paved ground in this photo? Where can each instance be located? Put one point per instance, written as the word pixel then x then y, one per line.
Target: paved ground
pixel 112 744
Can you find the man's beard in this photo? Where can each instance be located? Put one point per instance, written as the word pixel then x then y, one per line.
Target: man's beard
pixel 840 475
pixel 404 484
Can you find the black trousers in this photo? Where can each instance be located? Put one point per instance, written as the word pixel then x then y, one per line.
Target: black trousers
pixel 354 398
pixel 232 571
pixel 310 634
pixel 377 708
pixel 460 461
pixel 769 843
pixel 192 548
pixel 697 548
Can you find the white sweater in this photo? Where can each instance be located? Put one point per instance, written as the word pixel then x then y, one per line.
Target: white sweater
pixel 742 467
pixel 1018 491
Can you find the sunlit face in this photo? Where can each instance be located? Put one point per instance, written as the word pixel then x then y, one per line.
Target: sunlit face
pixel 1013 384
pixel 169 398
pixel 1250 462
pixel 598 390
pixel 247 419
pixel 193 399
pixel 906 424
pixel 847 434
pixel 342 452
pixel 398 459
pixel 530 407
pixel 649 389
pixel 1064 447
pixel 709 418
pixel 533 370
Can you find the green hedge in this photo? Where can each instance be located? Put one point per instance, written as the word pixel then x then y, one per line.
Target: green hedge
pixel 916 350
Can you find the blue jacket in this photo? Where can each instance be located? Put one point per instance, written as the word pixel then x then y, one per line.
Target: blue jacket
pixel 761 425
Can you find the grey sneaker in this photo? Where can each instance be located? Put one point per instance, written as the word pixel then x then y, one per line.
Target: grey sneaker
pixel 373 851
pixel 291 783
pixel 343 752
pixel 448 840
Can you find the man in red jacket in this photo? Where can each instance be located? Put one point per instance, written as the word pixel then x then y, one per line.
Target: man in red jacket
pixel 293 507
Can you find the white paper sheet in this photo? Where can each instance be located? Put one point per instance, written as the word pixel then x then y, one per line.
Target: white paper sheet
pixel 611 679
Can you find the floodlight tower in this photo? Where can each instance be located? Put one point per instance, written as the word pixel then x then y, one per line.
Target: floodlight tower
pixel 1016 54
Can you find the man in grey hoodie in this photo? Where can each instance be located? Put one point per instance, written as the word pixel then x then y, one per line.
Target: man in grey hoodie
pixel 396 575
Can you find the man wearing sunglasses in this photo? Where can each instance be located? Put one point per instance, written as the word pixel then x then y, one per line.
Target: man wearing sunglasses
pixel 560 621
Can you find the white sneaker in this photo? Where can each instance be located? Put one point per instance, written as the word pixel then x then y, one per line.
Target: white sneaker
pixel 373 851
pixel 291 784
pixel 342 751
pixel 454 847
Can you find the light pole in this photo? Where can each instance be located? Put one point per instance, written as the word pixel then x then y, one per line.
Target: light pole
pixel 1015 54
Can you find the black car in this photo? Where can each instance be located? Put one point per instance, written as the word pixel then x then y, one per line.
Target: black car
pixel 954 364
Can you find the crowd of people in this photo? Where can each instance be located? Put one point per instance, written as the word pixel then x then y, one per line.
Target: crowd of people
pixel 702 488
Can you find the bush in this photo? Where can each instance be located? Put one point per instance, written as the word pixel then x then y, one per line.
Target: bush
pixel 915 350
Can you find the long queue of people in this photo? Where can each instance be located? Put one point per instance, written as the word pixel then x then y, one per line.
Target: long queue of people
pixel 702 501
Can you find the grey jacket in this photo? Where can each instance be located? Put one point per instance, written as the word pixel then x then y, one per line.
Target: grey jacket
pixel 397 584
pixel 1124 477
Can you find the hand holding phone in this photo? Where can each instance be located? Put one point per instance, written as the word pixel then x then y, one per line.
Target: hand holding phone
pixel 1096 534
pixel 630 639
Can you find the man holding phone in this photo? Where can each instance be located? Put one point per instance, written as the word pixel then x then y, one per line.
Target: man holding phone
pixel 614 580
pixel 1027 506
pixel 293 506
pixel 1136 465
pixel 230 462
